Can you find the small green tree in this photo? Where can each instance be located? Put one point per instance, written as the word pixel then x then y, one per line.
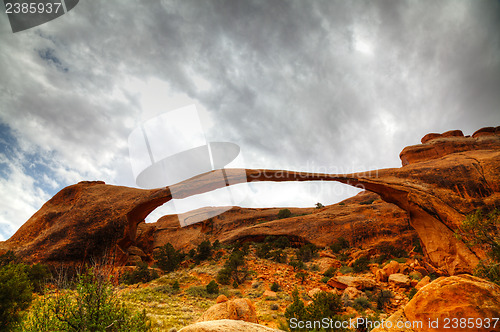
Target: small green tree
pixel 212 287
pixel 284 213
pixel 480 229
pixel 307 252
pixel 168 259
pixel 15 294
pixel 302 275
pixel 203 251
pixel 361 264
pixel 340 244
pixel 319 205
pixel 235 268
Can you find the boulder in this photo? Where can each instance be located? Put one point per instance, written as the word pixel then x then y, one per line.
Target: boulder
pixel 269 293
pixel 425 281
pixel 391 268
pixel 461 296
pixel 351 293
pixel 400 280
pixel 334 283
pixel 380 275
pixel 391 324
pixel 238 309
pixel 357 282
pixel 221 298
pixel 325 263
pixel 226 325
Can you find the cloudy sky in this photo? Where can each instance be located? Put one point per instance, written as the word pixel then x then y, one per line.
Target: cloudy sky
pixel 335 86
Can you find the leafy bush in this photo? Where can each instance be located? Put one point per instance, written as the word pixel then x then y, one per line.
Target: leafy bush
pixel 141 273
pixel 278 256
pixel 38 274
pixel 361 264
pixel 345 269
pixel 319 205
pixel 302 276
pixel 275 287
pixel 324 305
pixel 15 293
pixel 167 258
pixel 330 272
pixel 216 245
pixel 361 303
pixel 212 287
pixel 483 230
pixel 340 244
pixel 307 252
pixel 263 250
pixel 282 242
pixel 175 286
pixel 7 258
pixel 284 213
pixel 296 264
pixel 92 307
pixel 383 298
pixel 412 293
pixel 325 279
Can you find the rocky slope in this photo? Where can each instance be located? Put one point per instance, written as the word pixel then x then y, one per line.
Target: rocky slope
pixel 442 180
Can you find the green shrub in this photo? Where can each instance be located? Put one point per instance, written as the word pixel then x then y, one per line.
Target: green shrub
pixel 92 307
pixel 203 251
pixel 278 256
pixel 383 298
pixel 275 287
pixel 319 205
pixel 212 287
pixel 483 230
pixel 216 245
pixel 361 303
pixel 282 242
pixel 330 272
pixel 307 252
pixel 361 264
pixel 15 293
pixel 345 269
pixel 284 213
pixel 7 258
pixel 367 202
pixel 325 279
pixel 412 293
pixel 234 269
pixel 263 250
pixel 141 273
pixel 324 305
pixel 296 264
pixel 302 276
pixel 339 245
pixel 167 258
pixel 175 286
pixel 38 274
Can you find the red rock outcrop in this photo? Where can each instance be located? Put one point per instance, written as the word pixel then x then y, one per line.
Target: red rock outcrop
pixel 441 181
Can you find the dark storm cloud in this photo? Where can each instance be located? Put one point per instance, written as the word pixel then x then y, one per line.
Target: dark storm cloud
pixel 297 84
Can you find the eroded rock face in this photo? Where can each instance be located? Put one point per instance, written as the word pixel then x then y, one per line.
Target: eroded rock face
pixel 462 296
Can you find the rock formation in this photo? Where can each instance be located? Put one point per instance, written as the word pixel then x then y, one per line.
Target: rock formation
pixel 442 180
pixel 225 325
pixel 457 297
